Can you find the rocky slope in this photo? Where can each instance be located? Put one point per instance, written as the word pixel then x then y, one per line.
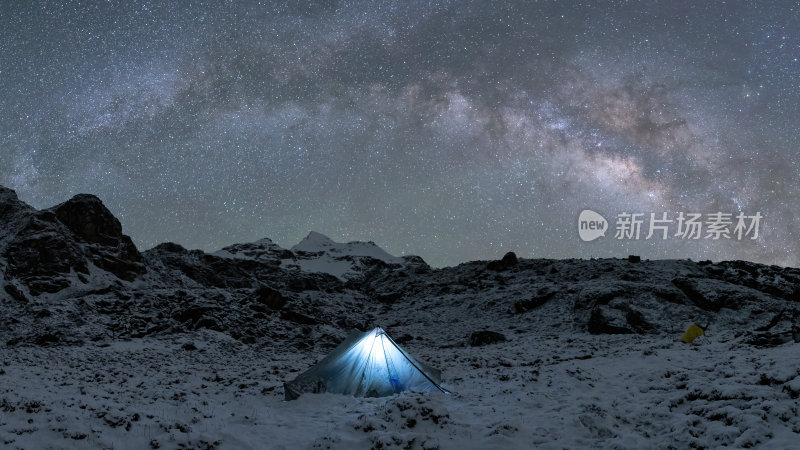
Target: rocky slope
pixel 70 275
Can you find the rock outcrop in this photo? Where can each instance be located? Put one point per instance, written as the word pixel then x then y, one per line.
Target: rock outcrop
pixel 51 250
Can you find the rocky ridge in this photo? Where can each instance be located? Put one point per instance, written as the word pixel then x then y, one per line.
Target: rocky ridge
pixel 69 275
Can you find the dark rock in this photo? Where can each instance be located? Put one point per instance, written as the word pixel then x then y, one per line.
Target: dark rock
pixel 767 340
pixel 775 319
pixel 389 298
pixel 101 291
pixel 302 283
pixel 694 295
pixel 193 313
pixel 46 338
pixel 296 317
pixel 637 321
pixel 496 265
pixel 633 275
pixel 106 307
pixel 417 264
pixel 259 308
pixel 600 324
pixel 793 393
pixel 89 219
pixel 15 293
pixel 91 222
pixel 602 295
pixel 272 298
pixel 485 337
pixel 204 269
pixel 634 258
pixel 403 338
pixel 212 323
pixel 170 247
pixel 709 295
pixel 349 323
pixel 50 285
pixel 542 296
pixel 11 207
pixel 509 260
pixel 671 294
pixel 714 270
pixel 748 267
pixel 50 247
pixel 42 255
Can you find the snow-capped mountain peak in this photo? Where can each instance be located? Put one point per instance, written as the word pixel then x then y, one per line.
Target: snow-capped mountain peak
pixel 314 242
pixel 319 253
pixel 318 242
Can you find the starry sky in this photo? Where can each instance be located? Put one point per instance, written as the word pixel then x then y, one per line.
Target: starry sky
pixel 451 130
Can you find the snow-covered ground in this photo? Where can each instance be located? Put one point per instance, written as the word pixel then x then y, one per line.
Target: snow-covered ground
pixel 206 390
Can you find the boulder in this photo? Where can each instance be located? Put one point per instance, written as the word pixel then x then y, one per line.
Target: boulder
pixel 15 293
pixel 485 337
pixel 539 298
pixel 600 324
pixel 509 260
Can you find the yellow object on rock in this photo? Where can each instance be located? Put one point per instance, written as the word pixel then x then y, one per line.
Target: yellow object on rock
pixel 692 333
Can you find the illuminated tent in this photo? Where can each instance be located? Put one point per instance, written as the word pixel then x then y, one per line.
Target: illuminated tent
pixel 366 364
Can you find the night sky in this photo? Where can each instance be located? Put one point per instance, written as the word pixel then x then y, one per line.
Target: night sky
pixel 451 130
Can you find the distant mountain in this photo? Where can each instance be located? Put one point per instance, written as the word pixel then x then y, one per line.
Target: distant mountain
pixel 317 242
pixel 318 253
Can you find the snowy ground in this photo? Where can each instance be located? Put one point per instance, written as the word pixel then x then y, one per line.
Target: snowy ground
pixel 205 390
pixel 102 346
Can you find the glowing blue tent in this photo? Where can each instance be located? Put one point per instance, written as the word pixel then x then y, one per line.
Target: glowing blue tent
pixel 366 364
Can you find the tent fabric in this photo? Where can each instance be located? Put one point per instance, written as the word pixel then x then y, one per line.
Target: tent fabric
pixel 692 333
pixel 366 364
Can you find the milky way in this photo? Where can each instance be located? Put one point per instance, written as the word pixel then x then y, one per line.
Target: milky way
pixel 455 131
